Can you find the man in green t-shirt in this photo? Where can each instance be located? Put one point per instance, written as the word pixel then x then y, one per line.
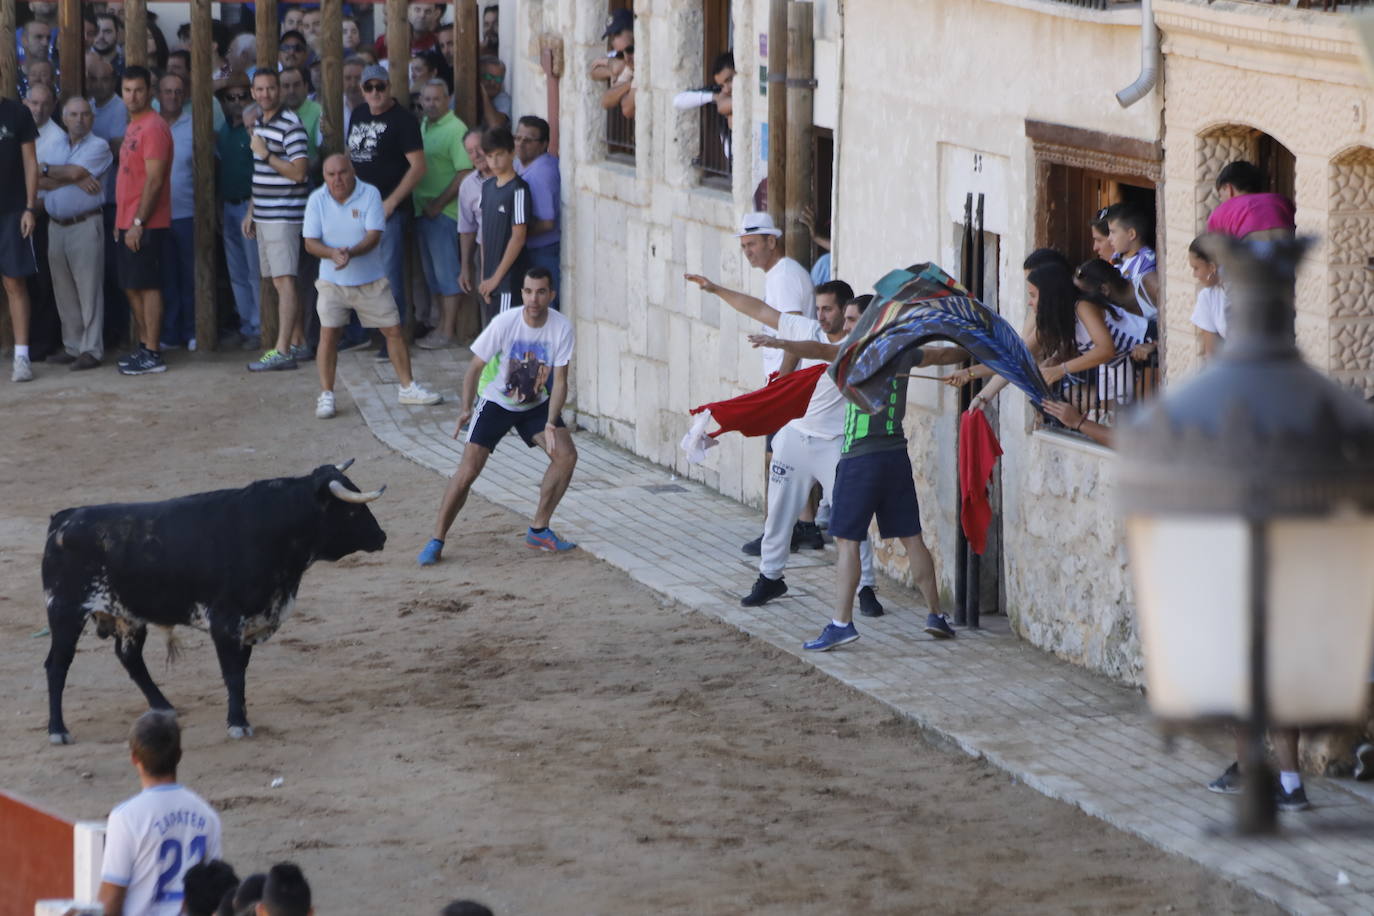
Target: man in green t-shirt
pixel 874 479
pixel 436 205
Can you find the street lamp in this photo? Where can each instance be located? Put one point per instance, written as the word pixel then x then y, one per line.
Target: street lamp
pixel 1248 496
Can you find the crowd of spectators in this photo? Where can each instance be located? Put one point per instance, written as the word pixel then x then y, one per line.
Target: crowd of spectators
pixel 112 177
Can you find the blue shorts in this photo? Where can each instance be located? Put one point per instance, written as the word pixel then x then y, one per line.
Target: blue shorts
pixel 874 484
pixel 16 252
pixel 439 253
pixel 491 422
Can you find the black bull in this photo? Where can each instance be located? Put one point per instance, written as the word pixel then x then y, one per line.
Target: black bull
pixel 229 561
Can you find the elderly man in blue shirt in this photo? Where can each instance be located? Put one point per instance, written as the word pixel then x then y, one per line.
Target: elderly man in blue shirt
pixel 344 221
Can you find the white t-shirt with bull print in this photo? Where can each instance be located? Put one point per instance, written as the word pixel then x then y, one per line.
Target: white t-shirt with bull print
pixel 150 842
pixel 527 356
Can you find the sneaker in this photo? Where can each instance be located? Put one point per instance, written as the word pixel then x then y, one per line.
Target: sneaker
pixel 324 405
pixel 869 606
pixel 168 345
pixel 128 362
pixel 546 540
pixel 832 637
pixel 144 362
pixel 415 393
pixel 765 590
pixel 807 536
pixel 937 625
pixel 272 361
pixel 23 370
pixel 191 345
pixel 755 547
pixel 380 354
pixel 301 353
pixel 1291 801
pixel 1364 762
pixel 435 341
pixel 433 550
pixel 250 342
pixel 1228 783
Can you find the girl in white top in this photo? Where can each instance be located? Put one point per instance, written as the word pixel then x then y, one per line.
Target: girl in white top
pixel 1209 313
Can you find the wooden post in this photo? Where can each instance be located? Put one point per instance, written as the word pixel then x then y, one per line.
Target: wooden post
pixel 467 37
pixel 70 41
pixel 9 52
pixel 777 110
pixel 800 168
pixel 398 50
pixel 331 75
pixel 203 153
pixel 268 31
pixel 136 35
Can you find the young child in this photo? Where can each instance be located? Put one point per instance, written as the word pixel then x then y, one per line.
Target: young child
pixel 1102 243
pixel 1209 314
pixel 1128 227
pixel 506 211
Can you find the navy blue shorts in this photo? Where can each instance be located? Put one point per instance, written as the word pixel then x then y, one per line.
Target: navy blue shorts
pixel 874 484
pixel 16 252
pixel 492 421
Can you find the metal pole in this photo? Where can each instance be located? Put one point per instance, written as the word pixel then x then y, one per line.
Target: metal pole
pixel 961 551
pixel 203 154
pixel 800 150
pixel 777 110
pixel 1258 813
pixel 331 74
pixel 70 38
pixel 136 35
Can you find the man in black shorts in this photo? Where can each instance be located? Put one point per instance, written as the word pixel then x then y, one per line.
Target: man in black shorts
pixel 18 136
pixel 534 345
pixel 873 478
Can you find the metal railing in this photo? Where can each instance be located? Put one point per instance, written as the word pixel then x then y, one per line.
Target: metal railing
pixel 714 158
pixel 1325 6
pixel 1104 393
pixel 620 134
pixel 1097 4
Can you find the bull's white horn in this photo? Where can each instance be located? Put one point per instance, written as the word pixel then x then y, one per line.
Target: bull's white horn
pixel 342 492
pixel 346 465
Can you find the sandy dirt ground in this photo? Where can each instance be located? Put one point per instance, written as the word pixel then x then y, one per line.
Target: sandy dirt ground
pixel 537 732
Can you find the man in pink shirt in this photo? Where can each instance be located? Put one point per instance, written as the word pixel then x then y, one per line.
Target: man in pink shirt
pixel 1247 211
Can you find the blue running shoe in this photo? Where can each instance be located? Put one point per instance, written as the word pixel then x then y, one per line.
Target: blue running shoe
pixel 546 540
pixel 430 555
pixel 831 637
pixel 937 625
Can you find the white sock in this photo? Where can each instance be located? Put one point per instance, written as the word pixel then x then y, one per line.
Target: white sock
pixel 838 624
pixel 21 350
pixel 1290 781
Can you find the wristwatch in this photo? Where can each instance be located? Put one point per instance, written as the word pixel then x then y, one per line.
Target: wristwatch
pixel 138 223
pixel 45 170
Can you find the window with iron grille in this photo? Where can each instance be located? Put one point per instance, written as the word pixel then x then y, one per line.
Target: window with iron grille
pixel 716 150
pixel 620 130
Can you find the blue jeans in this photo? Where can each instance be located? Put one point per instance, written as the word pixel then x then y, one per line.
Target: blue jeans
pixel 548 258
pixel 241 256
pixel 179 282
pixel 438 239
pixel 394 256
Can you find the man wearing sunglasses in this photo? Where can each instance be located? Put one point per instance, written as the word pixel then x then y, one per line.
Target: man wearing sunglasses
pixel 388 152
pixel 492 76
pixel 235 184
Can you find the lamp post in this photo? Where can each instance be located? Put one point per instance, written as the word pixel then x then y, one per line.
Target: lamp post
pixel 1248 496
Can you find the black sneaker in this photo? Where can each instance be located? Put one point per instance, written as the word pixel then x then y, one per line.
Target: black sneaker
pixel 754 547
pixel 130 361
pixel 869 606
pixel 937 625
pixel 1291 801
pixel 807 536
pixel 765 590
pixel 145 362
pixel 1228 783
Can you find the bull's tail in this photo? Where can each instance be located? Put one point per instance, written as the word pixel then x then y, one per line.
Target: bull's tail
pixel 173 645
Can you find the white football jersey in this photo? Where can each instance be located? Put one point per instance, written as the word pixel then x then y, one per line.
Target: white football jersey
pixel 150 842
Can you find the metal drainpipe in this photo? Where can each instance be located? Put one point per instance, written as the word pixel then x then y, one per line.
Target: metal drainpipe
pixel 1149 59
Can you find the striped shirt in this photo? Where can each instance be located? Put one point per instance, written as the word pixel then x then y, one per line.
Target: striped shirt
pixel 276 198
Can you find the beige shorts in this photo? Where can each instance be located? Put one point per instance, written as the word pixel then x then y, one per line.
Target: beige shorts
pixel 372 302
pixel 279 248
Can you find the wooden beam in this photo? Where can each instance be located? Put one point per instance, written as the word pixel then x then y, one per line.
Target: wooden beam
pixel 9 52
pixel 70 42
pixel 268 30
pixel 467 39
pixel 203 163
pixel 800 149
pixel 331 75
pixel 136 36
pixel 777 110
pixel 398 50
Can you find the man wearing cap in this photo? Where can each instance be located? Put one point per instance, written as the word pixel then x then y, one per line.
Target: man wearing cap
pixel 620 30
pixel 388 152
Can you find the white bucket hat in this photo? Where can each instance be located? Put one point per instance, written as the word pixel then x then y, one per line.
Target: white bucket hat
pixel 758 224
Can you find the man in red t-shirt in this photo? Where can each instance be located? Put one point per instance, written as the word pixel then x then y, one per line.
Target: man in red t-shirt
pixel 424 20
pixel 143 215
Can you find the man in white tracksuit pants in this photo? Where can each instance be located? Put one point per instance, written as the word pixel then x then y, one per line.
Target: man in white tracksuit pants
pixel 806 450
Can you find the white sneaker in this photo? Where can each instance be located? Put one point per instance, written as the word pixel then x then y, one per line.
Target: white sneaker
pixel 324 406
pixel 191 345
pixel 415 393
pixel 23 371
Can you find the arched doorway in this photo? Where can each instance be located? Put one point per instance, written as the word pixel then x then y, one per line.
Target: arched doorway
pixel 1226 143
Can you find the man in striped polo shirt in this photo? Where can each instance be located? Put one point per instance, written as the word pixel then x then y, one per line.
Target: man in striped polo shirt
pixel 281 167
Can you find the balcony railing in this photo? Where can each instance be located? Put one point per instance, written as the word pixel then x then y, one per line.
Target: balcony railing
pixel 1098 4
pixel 714 160
pixel 1327 6
pixel 1101 394
pixel 620 134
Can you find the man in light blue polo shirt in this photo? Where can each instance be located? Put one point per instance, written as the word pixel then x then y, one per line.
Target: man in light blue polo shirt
pixel 344 221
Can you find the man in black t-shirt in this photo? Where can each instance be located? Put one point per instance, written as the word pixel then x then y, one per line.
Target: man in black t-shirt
pixel 387 152
pixel 18 200
pixel 506 214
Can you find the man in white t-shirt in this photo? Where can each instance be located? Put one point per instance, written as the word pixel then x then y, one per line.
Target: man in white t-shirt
pixel 154 837
pixel 787 285
pixel 805 450
pixel 534 345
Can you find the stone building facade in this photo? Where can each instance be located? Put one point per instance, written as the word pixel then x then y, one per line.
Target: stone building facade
pixel 929 101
